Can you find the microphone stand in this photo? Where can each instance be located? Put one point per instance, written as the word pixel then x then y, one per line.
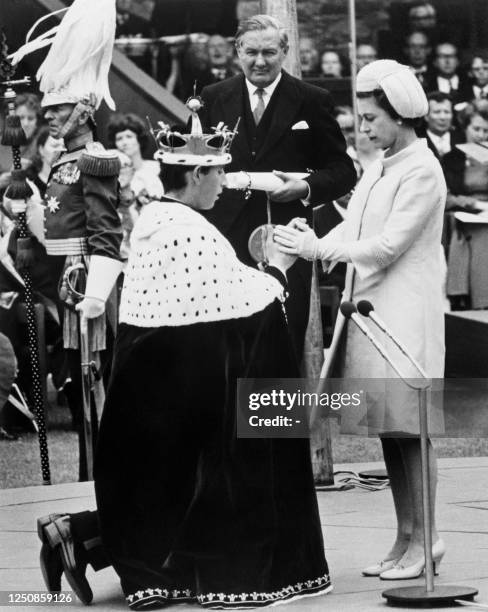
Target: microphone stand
pixel 429 594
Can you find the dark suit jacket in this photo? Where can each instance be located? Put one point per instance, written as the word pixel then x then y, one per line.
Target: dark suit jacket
pixel 457 137
pixel 468 93
pixel 453 165
pixel 459 95
pixel 274 145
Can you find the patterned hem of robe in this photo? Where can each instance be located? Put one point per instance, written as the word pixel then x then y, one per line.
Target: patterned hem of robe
pixel 147 598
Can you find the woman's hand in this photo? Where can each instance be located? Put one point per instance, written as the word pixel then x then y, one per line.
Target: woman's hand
pixel 297 238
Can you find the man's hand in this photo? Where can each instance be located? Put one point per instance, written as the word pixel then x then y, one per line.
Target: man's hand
pixel 466 203
pixel 297 238
pixel 292 189
pixel 275 257
pixel 89 308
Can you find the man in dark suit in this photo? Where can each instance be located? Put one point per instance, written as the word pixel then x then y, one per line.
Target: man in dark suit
pixel 446 76
pixel 286 125
pixel 478 73
pixel 438 127
pixel 416 51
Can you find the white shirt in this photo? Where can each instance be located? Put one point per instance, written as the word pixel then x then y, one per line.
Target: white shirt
pixel 480 92
pixel 447 85
pixel 441 143
pixel 267 92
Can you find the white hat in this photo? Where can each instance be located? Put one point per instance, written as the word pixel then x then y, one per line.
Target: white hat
pixel 401 87
pixel 77 65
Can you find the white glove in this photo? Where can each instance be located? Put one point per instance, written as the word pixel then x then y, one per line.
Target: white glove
pixel 297 238
pixel 89 308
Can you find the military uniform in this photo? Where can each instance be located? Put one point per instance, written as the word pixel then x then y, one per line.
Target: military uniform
pixel 81 220
pixel 81 204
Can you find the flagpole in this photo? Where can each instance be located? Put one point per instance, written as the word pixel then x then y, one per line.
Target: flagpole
pixel 320 440
pixel 353 61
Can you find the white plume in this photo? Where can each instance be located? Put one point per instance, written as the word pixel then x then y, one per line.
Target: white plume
pixel 79 59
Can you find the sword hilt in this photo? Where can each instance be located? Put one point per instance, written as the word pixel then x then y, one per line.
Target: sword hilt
pixel 67 291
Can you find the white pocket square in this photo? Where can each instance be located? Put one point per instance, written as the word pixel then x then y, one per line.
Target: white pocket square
pixel 301 125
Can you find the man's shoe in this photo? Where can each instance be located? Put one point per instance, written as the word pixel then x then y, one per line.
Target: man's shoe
pixel 58 535
pixel 49 558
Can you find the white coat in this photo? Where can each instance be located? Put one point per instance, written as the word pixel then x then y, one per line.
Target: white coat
pixel 392 236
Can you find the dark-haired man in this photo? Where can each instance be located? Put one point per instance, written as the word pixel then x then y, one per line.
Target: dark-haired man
pixel 478 86
pixel 193 319
pixel 446 76
pixel 417 50
pixel 438 127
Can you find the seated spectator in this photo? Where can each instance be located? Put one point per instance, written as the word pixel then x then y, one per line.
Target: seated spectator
pixel 446 76
pixel 359 147
pixel 365 54
pixel 220 54
pixel 438 127
pixel 417 50
pixel 309 58
pixel 478 73
pixel 208 64
pixel 28 108
pixel 467 179
pixel 467 182
pixel 422 16
pixel 128 134
pixel 444 25
pixel 345 118
pixel 331 64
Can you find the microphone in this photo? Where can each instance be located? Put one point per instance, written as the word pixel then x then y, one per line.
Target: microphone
pixel 367 310
pixel 350 311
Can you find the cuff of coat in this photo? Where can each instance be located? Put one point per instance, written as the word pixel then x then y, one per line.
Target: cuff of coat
pixel 367 259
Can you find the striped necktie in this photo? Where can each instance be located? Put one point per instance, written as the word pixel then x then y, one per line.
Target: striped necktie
pixel 258 112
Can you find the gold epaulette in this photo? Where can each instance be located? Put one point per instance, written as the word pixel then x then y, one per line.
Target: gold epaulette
pixel 97 161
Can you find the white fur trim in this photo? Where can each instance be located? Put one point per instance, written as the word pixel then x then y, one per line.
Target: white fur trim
pixel 181 270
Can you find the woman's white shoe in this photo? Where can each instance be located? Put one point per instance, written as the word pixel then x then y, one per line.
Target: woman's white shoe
pixel 378 568
pixel 400 572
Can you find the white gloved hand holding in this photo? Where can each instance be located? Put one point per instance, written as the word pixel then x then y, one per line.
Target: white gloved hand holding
pixel 89 308
pixel 297 238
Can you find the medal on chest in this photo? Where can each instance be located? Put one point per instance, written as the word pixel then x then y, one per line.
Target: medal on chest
pixel 67 174
pixel 52 204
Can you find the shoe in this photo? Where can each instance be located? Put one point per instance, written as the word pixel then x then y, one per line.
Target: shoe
pixel 58 536
pixel 400 572
pixel 49 558
pixel 382 566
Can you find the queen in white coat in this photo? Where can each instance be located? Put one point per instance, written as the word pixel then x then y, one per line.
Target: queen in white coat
pixel 391 241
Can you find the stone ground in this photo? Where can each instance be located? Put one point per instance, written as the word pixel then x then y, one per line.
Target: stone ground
pixel 357 526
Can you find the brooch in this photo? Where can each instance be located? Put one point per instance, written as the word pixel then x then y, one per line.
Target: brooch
pixel 67 174
pixel 53 204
